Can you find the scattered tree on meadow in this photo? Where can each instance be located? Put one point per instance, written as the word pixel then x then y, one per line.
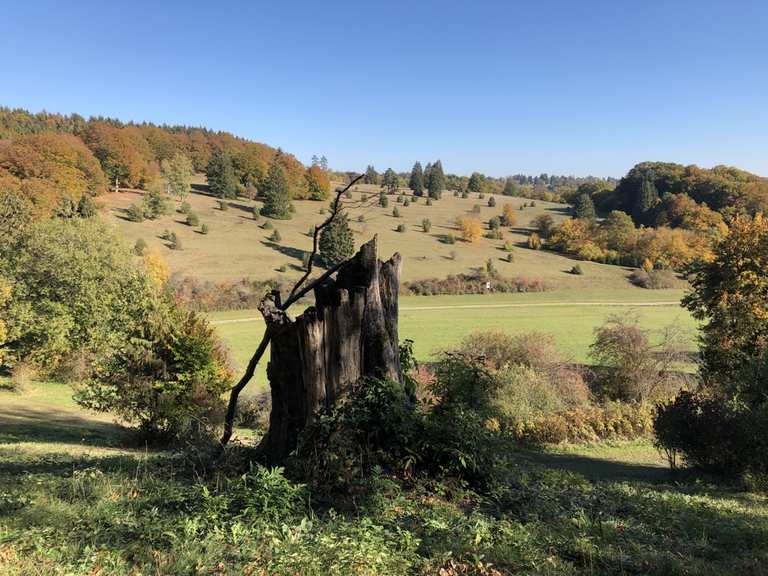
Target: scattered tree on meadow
pixel 416 182
pixel 508 215
pixel 336 241
pixel 222 180
pixel 390 181
pixel 436 180
pixel 178 172
pixel 471 228
pixel 585 208
pixel 277 199
pixel 475 182
pixel 511 188
pixel 371 176
pixel 318 185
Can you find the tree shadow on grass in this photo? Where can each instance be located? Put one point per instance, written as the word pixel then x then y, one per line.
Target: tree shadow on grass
pixel 598 468
pixel 289 251
pixel 21 425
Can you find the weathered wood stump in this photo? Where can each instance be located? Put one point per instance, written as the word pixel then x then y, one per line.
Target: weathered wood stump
pixel 351 332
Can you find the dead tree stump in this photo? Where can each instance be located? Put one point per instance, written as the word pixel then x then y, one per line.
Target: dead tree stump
pixel 351 332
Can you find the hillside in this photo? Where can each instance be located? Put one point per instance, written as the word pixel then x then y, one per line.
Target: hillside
pixel 238 247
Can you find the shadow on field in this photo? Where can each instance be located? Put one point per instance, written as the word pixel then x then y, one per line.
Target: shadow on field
pixel 19 425
pixel 599 468
pixel 285 250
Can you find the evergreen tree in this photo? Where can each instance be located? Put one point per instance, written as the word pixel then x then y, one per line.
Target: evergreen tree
pixel 371 176
pixel 475 182
pixel 436 180
pixel 390 181
pixel 86 207
pixel 277 200
pixel 324 163
pixel 585 207
pixel 336 241
pixel 416 183
pixel 646 201
pixel 221 175
pixel 510 188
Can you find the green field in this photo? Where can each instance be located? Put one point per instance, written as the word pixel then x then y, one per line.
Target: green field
pixel 437 322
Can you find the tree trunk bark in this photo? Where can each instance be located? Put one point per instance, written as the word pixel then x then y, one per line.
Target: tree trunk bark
pixel 351 332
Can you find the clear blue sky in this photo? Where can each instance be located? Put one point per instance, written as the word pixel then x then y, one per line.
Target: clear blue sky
pixel 574 87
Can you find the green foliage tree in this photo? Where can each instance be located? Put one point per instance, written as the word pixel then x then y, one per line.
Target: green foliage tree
pixel 511 188
pixel 476 182
pixel 336 241
pixel 585 208
pixel 371 176
pixel 178 171
pixel 436 181
pixel 86 207
pixel 277 198
pixel 416 182
pixel 222 179
pixel 154 204
pixel 390 181
pixel 646 201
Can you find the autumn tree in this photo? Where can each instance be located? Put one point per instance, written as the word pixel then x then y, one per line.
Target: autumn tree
pixel 277 200
pixel 416 182
pixel 336 241
pixel 178 171
pixel 222 180
pixel 471 228
pixel 318 185
pixel 124 154
pixel 508 215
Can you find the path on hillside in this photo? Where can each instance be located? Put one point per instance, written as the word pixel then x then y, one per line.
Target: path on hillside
pixel 507 305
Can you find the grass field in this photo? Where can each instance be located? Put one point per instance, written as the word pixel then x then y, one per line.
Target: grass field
pixel 437 322
pixel 238 247
pixel 74 502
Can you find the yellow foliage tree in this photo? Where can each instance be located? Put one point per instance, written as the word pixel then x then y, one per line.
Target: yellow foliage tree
pixel 158 270
pixel 509 215
pixel 471 228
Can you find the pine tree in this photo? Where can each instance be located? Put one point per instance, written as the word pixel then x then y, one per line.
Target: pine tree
pixel 86 207
pixel 336 241
pixel 390 181
pixel 221 175
pixel 436 180
pixel 277 200
pixel 324 163
pixel 475 182
pixel 646 201
pixel 416 183
pixel 585 208
pixel 371 176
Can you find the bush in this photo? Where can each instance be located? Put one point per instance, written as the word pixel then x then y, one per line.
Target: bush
pixel 471 284
pixel 174 242
pixel 576 269
pixel 476 209
pixel 510 257
pixel 491 202
pixel 140 247
pixel 223 205
pixel 267 225
pixel 395 212
pixel 449 239
pixel 135 213
pixel 167 378
pixel 654 279
pixel 534 242
pixel 21 376
pixel 429 201
pixel 399 199
pixel 401 228
pixel 193 219
pixel 426 225
pixel 630 367
pixel 712 434
pixel 495 234
pixel 256 211
pixel 406 203
pixel 204 229
pixel 383 200
pixel 275 236
pixel 185 208
pixel 283 269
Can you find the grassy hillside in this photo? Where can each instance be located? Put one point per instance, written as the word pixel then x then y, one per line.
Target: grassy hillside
pixel 238 247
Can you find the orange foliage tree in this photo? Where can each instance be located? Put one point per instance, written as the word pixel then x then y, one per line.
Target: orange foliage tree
pixel 471 228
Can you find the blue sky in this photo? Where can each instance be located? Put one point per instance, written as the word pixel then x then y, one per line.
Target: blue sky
pixel 565 87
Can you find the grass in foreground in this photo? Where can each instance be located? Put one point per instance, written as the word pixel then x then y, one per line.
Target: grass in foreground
pixel 602 509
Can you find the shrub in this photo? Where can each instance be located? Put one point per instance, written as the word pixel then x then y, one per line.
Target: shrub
pixel 492 202
pixel 653 279
pixel 494 223
pixel 426 225
pixel 204 229
pixel 140 247
pixel 449 239
pixel 576 269
pixel 185 208
pixel 383 200
pixel 267 225
pixel 495 235
pixel 256 211
pixel 399 199
pixel 135 213
pixel 429 201
pixel 476 209
pixel 223 205
pixel 406 203
pixel 396 212
pixel 630 367
pixel 710 433
pixel 275 236
pixel 401 228
pixel 509 246
pixel 544 223
pixel 283 268
pixel 21 376
pixel 167 378
pixel 471 284
pixel 174 242
pixel 364 198
pixel 193 219
pixel 510 257
pixel 534 242
pixel 348 194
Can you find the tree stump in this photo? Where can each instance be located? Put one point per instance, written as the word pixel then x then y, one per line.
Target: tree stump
pixel 351 332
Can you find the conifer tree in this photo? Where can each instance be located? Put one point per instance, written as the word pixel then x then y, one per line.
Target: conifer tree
pixel 416 182
pixel 371 176
pixel 646 201
pixel 336 241
pixel 510 188
pixel 585 208
pixel 436 180
pixel 221 175
pixel 475 182
pixel 390 181
pixel 277 200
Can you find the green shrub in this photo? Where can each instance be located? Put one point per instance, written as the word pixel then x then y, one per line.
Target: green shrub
pixel 135 213
pixel 140 247
pixel 429 201
pixel 449 239
pixel 185 208
pixel 275 236
pixel 204 229
pixel 283 268
pixel 406 203
pixel 576 269
pixel 401 228
pixel 395 212
pixel 491 202
pixel 167 378
pixel 223 205
pixel 267 225
pixel 654 279
pixel 426 225
pixel 193 219
pixel 174 242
